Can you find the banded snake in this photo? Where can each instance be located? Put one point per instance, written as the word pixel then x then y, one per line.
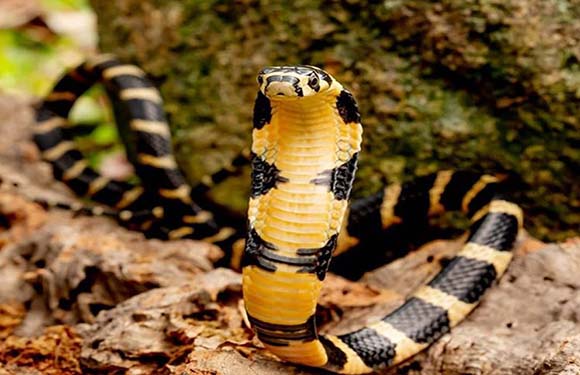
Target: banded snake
pixel 307 137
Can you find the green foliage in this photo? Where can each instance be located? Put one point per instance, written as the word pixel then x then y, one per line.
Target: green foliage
pixel 20 70
pixel 33 57
pixel 92 111
pixel 65 4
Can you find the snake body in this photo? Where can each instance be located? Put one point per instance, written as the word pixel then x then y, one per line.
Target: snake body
pixel 162 205
pixel 306 140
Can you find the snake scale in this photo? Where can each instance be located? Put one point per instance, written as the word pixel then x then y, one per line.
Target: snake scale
pixel 307 136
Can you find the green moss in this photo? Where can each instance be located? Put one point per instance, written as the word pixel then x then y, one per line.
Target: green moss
pixel 488 85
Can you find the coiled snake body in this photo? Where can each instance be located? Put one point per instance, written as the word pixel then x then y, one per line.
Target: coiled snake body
pixel 162 206
pixel 306 141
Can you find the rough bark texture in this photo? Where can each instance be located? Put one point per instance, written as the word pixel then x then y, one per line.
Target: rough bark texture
pixel 81 295
pixel 479 84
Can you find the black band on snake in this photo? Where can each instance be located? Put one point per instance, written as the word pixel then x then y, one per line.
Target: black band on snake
pixel 306 141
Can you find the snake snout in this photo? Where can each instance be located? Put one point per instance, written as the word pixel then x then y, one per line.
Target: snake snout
pixel 281 88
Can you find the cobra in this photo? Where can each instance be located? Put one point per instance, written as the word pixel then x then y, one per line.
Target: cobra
pixel 299 190
pixel 306 141
pixel 163 205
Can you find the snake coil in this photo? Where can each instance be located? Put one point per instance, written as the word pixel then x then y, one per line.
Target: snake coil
pixel 306 141
pixel 162 205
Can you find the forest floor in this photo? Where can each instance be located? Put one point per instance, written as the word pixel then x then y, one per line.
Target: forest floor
pixel 82 295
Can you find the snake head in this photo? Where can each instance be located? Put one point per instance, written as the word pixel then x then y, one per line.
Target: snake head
pixel 291 82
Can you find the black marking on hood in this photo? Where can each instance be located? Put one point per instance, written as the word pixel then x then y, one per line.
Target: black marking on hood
pixel 340 179
pixel 323 257
pixel 265 176
pixel 262 111
pixel 347 107
pixel 255 245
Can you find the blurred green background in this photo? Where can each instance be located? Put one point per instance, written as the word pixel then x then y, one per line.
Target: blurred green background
pixel 38 39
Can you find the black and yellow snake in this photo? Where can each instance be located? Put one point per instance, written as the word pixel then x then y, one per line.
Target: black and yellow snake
pixel 162 206
pixel 306 140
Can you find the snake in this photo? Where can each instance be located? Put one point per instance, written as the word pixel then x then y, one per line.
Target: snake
pixel 306 140
pixel 175 214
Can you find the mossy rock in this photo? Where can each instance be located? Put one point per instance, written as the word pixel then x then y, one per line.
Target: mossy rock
pixel 487 85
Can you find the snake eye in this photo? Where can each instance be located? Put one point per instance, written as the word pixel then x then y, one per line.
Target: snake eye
pixel 313 82
pixel 260 80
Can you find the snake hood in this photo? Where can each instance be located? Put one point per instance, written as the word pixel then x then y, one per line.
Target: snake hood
pixel 291 82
